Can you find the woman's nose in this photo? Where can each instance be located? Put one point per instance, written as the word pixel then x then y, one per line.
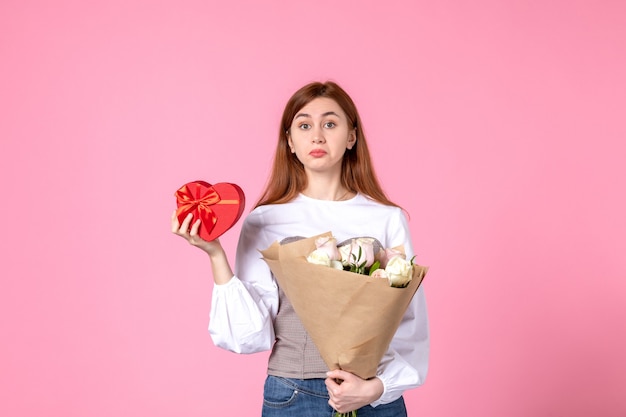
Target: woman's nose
pixel 318 136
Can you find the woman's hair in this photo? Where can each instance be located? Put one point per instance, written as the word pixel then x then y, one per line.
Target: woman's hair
pixel 288 177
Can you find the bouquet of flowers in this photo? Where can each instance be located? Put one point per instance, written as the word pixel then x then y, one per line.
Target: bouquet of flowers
pixel 350 315
pixel 364 256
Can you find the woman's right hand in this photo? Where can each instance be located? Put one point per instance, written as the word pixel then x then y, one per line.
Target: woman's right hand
pixel 189 232
pixel 222 272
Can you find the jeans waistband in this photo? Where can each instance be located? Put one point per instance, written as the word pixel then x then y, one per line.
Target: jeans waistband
pixel 314 386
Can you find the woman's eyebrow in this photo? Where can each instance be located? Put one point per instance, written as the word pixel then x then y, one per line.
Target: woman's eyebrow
pixel 328 113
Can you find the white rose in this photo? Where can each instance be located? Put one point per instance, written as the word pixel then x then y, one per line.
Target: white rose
pixel 329 245
pixel 336 265
pixel 319 257
pixel 364 247
pixel 359 252
pixel 380 273
pixel 384 255
pixel 345 251
pixel 399 271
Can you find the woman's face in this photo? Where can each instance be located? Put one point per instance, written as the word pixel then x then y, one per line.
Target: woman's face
pixel 319 136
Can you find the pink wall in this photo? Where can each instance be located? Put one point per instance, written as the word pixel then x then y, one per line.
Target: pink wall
pixel 499 125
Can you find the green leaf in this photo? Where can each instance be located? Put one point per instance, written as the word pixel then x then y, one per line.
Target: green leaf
pixel 374 267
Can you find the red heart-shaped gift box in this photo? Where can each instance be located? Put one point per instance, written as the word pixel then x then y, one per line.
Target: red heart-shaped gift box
pixel 218 206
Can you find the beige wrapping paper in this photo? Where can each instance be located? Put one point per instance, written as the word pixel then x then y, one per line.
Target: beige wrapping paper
pixel 350 317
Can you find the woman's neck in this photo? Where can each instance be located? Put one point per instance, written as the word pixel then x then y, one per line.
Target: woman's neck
pixel 331 189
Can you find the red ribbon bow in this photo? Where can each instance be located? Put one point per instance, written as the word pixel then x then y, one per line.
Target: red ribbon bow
pixel 197 198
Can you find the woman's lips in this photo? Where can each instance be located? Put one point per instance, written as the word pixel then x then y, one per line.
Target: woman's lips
pixel 317 153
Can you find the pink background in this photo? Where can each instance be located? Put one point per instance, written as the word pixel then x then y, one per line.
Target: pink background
pixel 499 125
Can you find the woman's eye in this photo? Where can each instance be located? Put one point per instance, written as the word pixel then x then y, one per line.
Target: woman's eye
pixel 329 125
pixel 305 126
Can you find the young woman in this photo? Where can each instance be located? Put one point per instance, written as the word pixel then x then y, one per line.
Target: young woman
pixel 322 180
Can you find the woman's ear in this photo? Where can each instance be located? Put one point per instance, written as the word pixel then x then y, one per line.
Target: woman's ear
pixel 290 143
pixel 351 138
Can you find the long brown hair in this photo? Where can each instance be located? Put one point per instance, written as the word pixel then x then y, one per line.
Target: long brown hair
pixel 288 177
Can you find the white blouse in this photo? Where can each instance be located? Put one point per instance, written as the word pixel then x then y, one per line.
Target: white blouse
pixel 242 311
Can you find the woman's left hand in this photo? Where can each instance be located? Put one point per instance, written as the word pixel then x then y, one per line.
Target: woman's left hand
pixel 352 392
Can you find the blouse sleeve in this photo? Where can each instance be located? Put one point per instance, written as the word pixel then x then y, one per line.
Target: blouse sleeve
pixel 242 310
pixel 405 364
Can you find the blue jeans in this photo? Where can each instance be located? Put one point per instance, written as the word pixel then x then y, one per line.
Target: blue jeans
pixel 309 398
